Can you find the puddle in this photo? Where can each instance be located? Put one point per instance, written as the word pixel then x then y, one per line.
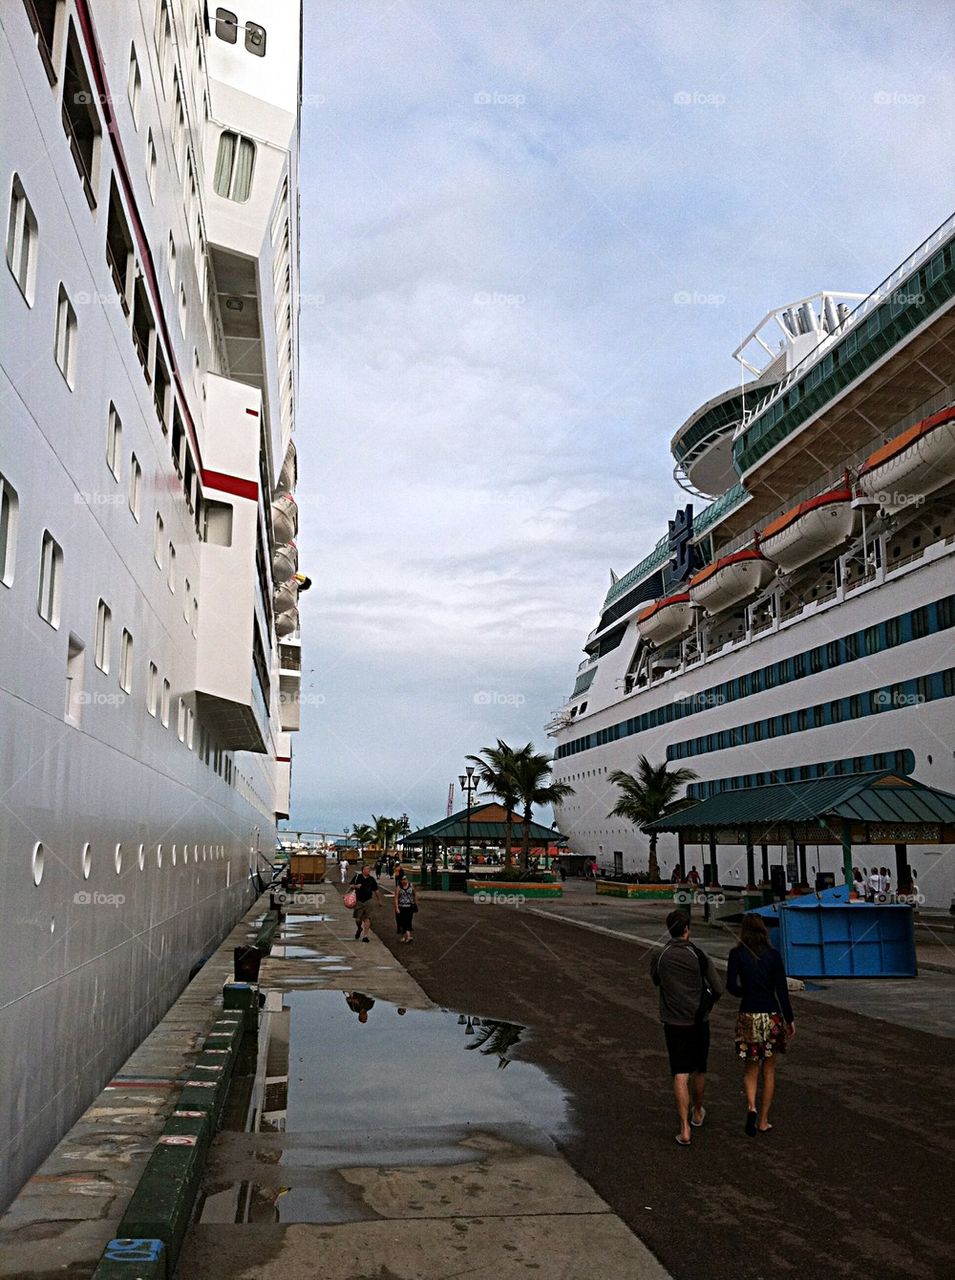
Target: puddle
pixel 297 919
pixel 353 1081
pixel 376 1061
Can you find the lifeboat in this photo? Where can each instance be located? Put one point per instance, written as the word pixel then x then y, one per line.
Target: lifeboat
pixel 289 473
pixel 285 596
pixel 913 465
pixel 809 530
pixel 284 561
pixel 286 623
pixel 730 580
pixel 665 620
pixel 284 517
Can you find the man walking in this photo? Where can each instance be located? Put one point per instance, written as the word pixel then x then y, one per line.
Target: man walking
pixel 689 987
pixel 343 868
pixel 366 888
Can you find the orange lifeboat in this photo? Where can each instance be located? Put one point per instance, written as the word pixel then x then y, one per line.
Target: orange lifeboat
pixel 665 620
pixel 810 529
pixel 730 580
pixel 913 465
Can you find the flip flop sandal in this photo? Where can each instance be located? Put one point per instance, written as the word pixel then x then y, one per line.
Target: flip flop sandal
pixel 682 1142
pixel 698 1123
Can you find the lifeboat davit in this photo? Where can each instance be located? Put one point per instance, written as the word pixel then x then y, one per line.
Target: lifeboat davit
pixel 284 517
pixel 809 530
pixel 665 620
pixel 284 561
pixel 286 623
pixel 730 580
pixel 913 465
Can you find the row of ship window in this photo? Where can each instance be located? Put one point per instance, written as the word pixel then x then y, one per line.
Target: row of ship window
pixel 900 629
pixel 891 697
pixel 209 853
pixel 901 761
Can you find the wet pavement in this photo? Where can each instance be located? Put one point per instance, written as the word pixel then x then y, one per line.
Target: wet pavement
pixel 855 1179
pixel 376 1134
pixel 916 1003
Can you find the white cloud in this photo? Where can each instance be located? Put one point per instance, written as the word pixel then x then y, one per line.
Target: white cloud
pixel 491 382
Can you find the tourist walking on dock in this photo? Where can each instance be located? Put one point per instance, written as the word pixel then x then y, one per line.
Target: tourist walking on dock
pixel 406 904
pixel 689 987
pixel 765 1022
pixel 366 888
pixel 343 869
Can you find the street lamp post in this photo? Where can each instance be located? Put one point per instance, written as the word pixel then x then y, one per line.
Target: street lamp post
pixel 469 784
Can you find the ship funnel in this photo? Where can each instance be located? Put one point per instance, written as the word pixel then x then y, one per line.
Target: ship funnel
pixel 830 313
pixel 792 324
pixel 843 311
pixel 807 318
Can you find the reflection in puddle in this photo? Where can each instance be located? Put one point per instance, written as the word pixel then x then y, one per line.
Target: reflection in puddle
pixel 353 1080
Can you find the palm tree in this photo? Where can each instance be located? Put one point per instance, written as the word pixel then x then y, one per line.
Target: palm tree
pixel 534 784
pixel 384 831
pixel 495 772
pixel 652 794
pixel 363 833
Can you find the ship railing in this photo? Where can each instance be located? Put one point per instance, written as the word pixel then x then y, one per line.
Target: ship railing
pixel 853 461
pixel 916 258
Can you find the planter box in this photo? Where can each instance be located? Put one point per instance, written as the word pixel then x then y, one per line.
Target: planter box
pixel 489 889
pixel 642 892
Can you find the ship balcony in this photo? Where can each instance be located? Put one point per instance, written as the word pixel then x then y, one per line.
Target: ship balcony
pixel 703 446
pixel 232 673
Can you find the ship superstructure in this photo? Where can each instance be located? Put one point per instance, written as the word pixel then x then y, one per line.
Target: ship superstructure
pixel 149 644
pixel 801 624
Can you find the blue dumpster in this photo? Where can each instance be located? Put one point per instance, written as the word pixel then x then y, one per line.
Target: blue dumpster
pixel 827 936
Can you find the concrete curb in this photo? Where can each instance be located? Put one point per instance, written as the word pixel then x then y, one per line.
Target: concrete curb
pixel 154 1225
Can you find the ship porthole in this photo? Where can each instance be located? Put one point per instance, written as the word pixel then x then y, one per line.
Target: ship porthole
pixel 173 855
pixel 86 860
pixel 118 858
pixel 38 860
pixel 141 856
pixel 158 855
pixel 52 923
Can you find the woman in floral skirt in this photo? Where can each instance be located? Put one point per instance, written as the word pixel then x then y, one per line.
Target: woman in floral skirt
pixel 765 1022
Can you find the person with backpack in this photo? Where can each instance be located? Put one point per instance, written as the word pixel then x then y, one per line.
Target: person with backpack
pixel 765 1022
pixel 689 988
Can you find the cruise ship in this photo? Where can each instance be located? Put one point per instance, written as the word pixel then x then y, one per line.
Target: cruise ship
pixel 149 638
pixel 797 619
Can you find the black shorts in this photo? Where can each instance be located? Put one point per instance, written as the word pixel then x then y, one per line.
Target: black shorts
pixel 688 1047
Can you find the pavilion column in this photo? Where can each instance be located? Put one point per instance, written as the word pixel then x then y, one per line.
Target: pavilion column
pixel 903 878
pixel 764 858
pixel 682 843
pixel 847 852
pixel 714 873
pixel 803 873
pixel 750 863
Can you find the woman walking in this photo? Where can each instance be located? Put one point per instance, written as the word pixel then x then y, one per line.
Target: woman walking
pixel 765 1021
pixel 406 904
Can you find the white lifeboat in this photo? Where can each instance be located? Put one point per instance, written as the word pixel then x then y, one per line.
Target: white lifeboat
pixel 913 465
pixel 284 518
pixel 286 595
pixel 284 561
pixel 286 623
pixel 665 619
pixel 810 529
pixel 730 580
pixel 289 473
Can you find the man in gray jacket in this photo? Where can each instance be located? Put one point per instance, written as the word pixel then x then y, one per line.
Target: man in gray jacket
pixel 689 986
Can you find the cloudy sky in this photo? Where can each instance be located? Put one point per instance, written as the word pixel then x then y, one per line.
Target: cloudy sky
pixel 505 209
